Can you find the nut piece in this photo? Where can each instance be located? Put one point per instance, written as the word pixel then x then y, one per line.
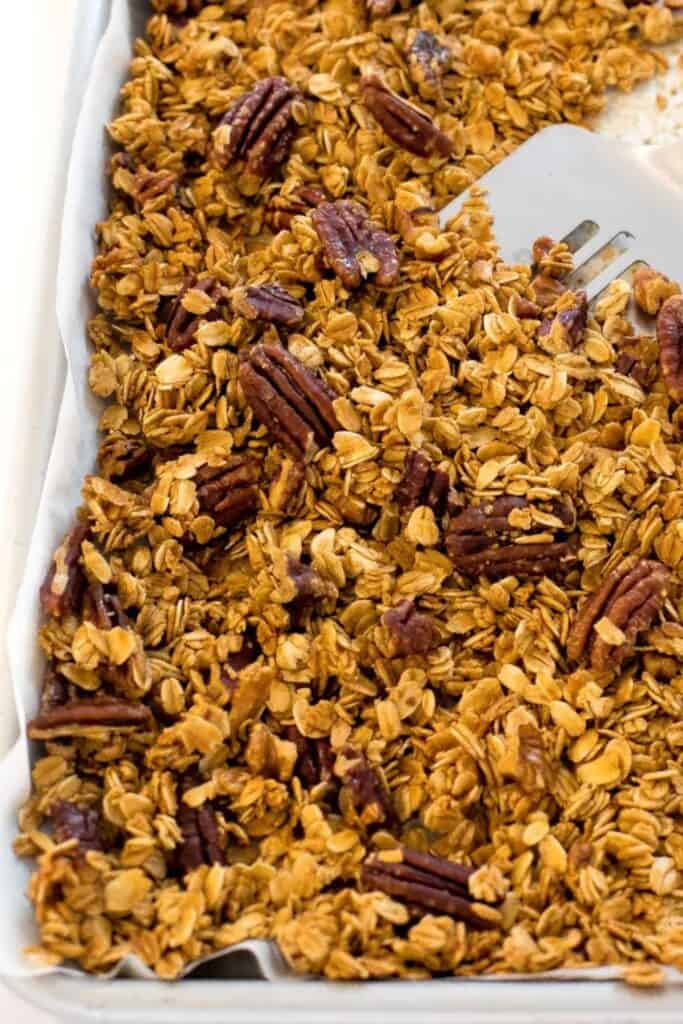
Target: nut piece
pixel 123 458
pixel 380 8
pixel 570 323
pixel 179 7
pixel 103 608
pixel 609 621
pixel 109 713
pixel 74 822
pixel 258 127
pixel 651 289
pixel 630 366
pixel 287 488
pixel 428 58
pixel 229 493
pixel 353 246
pixel 62 590
pixel 283 208
pixel 315 759
pixel 182 324
pixel 410 632
pixel 201 839
pixel 289 399
pixel 269 303
pixel 547 290
pixel 478 543
pixel 670 338
pixel 426 883
pixel 363 796
pixel 421 484
pixel 552 258
pixel 405 124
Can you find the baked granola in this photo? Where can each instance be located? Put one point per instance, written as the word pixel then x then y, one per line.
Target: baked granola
pixel 367 636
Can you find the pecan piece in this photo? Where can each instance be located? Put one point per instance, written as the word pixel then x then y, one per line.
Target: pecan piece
pixel 651 289
pixel 428 58
pixel 259 127
pixel 409 631
pixel 380 8
pixel 552 258
pixel 108 712
pixel 182 324
pixel 478 543
pixel 269 303
pixel 152 184
pixel 426 883
pixel 571 322
pixel 201 837
pixel 421 484
pixel 62 589
pixel 289 399
pixel 287 488
pixel 123 458
pixel 229 493
pixel 405 124
pixel 630 366
pixel 363 794
pixel 547 290
pixel 55 691
pixel 525 309
pixel 629 598
pixel 670 339
pixel 73 822
pixel 315 760
pixel 283 208
pixel 179 7
pixel 103 608
pixel 354 246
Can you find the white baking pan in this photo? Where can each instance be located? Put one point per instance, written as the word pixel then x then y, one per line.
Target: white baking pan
pixel 203 999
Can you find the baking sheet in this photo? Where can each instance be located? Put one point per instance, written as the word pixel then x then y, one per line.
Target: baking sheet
pixel 73 456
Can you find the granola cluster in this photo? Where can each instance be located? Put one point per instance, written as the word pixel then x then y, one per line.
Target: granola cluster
pixel 367 636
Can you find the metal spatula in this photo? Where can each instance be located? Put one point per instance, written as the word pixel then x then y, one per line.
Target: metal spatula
pixel 615 206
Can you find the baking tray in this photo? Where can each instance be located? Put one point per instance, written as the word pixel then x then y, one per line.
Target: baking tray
pixel 208 1000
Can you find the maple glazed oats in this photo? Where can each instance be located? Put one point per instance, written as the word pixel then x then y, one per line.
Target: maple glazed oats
pixel 367 635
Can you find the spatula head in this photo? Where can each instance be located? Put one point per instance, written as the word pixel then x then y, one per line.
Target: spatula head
pixel 595 193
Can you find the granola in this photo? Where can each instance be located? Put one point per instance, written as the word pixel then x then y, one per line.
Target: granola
pixel 367 637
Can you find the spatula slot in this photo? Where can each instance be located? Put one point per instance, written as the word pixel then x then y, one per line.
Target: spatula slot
pixel 602 259
pixel 582 233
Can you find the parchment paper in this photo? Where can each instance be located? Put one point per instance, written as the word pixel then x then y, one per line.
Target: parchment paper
pixel 73 456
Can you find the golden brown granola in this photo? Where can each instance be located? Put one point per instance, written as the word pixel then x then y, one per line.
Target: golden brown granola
pixel 324 664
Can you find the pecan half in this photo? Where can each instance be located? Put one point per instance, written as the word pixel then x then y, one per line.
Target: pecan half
pixel 282 209
pixel 670 338
pixel 201 838
pixel 73 822
pixel 363 795
pixel 62 589
pixel 259 127
pixel 405 124
pixel 426 883
pixel 428 58
pixel 354 246
pixel 571 322
pixel 651 289
pixel 289 399
pixel 229 493
pixel 315 759
pixel 181 324
pixel 409 631
pixel 269 303
pixel 478 541
pixel 109 713
pixel 629 598
pixel 422 484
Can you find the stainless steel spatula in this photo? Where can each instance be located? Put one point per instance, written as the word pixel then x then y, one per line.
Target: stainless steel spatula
pixel 615 206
